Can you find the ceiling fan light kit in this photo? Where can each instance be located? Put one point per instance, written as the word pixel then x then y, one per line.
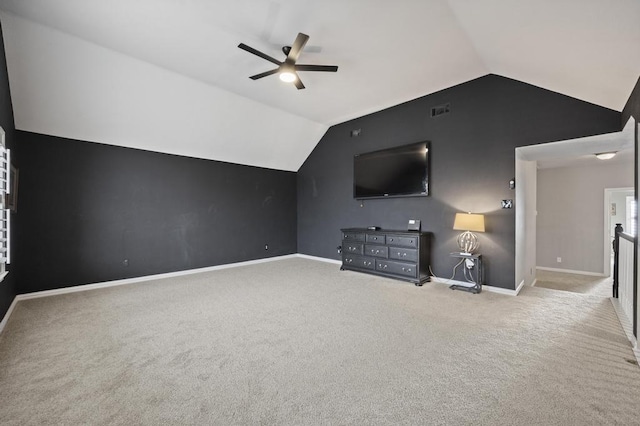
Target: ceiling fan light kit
pixel 288 70
pixel 287 76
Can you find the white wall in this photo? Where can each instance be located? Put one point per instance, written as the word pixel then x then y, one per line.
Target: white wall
pixel 526 206
pixel 571 214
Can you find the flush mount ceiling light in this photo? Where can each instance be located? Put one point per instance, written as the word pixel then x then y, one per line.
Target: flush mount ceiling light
pixel 606 155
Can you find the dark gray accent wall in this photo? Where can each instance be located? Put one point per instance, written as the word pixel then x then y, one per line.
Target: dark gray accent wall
pixel 7 286
pixel 472 161
pixel 91 213
pixel 632 107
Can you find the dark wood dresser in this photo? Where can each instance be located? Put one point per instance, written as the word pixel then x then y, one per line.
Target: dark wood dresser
pixel 402 255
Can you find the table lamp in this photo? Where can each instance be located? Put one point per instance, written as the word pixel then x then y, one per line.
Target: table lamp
pixel 467 222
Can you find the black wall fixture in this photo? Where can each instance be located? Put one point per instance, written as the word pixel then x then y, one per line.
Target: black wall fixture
pixel 439 110
pixel 473 156
pixel 91 213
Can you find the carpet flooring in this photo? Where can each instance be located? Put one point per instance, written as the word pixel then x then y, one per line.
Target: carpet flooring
pixel 299 342
pixel 575 283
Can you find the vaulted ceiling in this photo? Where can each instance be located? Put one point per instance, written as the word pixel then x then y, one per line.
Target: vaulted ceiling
pixel 167 76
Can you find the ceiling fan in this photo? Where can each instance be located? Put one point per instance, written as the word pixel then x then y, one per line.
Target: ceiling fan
pixel 288 69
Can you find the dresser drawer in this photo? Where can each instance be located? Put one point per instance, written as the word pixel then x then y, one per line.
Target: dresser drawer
pixel 398 268
pixel 375 238
pixel 402 240
pixel 402 253
pixel 377 251
pixel 352 236
pixel 358 262
pixel 353 248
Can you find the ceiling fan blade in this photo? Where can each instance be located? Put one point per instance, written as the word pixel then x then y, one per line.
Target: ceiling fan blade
pixel 296 48
pixel 264 74
pixel 298 82
pixel 259 53
pixel 327 68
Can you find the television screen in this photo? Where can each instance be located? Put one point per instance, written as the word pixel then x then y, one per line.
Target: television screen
pixel 394 172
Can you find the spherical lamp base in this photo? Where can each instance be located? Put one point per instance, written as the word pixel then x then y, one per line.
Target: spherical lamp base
pixel 468 242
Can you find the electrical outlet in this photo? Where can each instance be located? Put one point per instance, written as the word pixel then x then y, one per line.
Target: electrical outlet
pixel 559 259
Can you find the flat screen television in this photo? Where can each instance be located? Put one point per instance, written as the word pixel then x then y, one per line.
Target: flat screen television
pixel 395 172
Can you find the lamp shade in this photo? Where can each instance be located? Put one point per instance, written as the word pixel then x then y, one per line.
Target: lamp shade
pixel 469 222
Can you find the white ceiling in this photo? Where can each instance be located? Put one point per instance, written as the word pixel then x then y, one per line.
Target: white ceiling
pixel 580 152
pixel 166 75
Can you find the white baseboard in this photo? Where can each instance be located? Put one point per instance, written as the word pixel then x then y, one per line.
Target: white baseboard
pixel 8 314
pixel 433 279
pixel 319 259
pixel 521 285
pixel 86 287
pixel 571 271
pixel 489 288
pixel 126 281
pixel 533 284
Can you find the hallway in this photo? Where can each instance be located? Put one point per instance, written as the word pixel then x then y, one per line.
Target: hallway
pixel 574 283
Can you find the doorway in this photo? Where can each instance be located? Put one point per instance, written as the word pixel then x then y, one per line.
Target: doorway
pixel 561 256
pixel 619 207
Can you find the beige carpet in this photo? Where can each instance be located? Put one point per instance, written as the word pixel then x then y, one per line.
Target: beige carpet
pixel 299 342
pixel 575 283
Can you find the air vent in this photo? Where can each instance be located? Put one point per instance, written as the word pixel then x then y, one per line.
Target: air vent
pixel 439 110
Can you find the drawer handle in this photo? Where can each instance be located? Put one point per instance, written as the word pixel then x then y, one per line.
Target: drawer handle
pixel 406 270
pixel 349 260
pixel 391 239
pixel 384 267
